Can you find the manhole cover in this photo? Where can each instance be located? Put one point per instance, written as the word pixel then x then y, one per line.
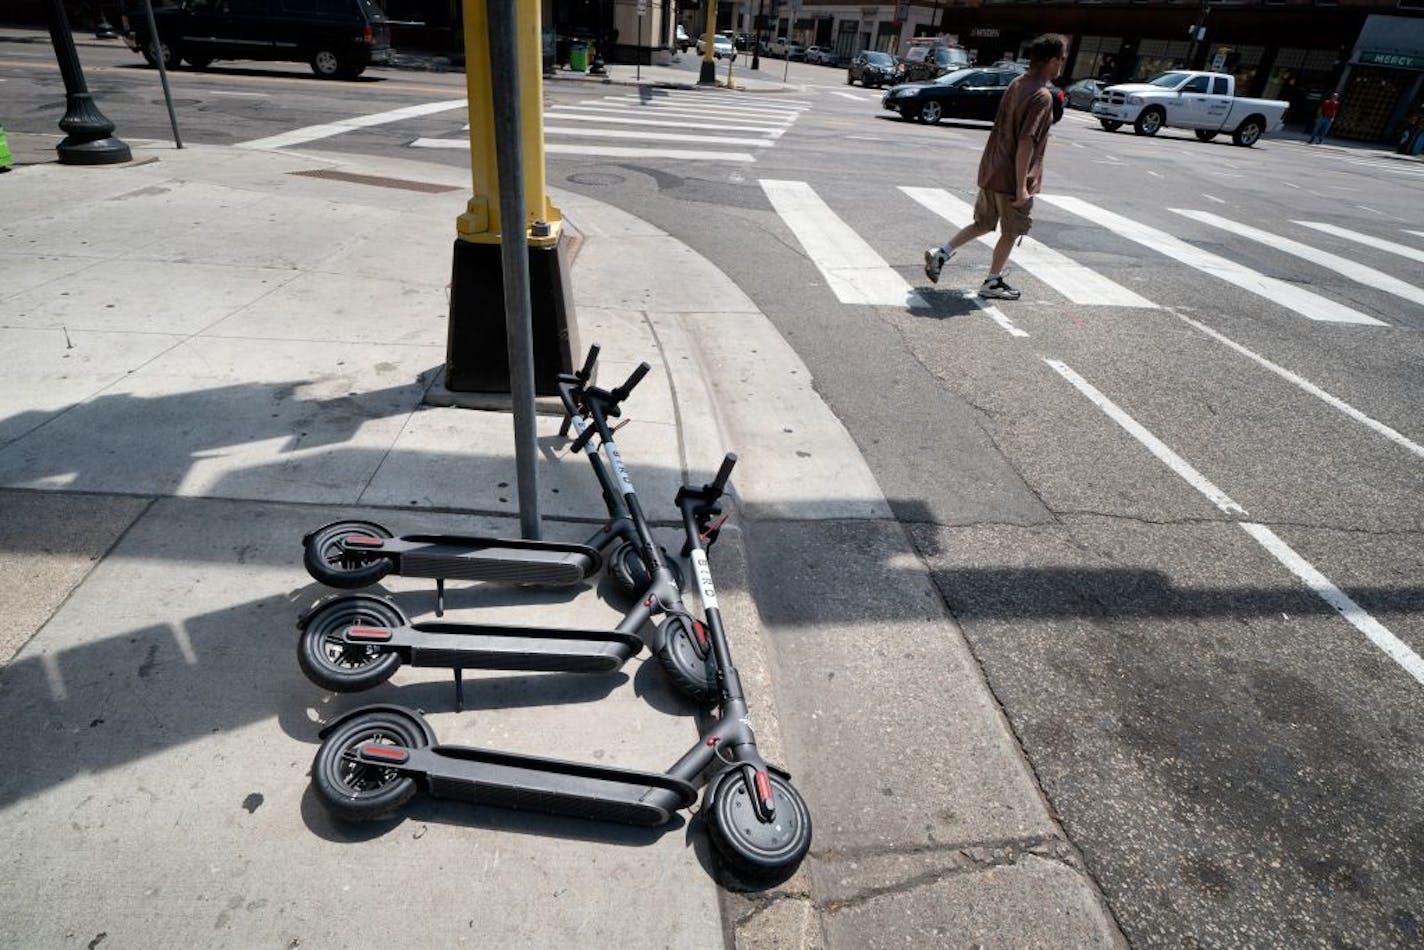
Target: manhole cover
pixel 596 178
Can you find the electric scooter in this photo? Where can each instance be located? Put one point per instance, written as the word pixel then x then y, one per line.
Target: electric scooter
pixel 352 554
pixel 357 641
pixel 373 759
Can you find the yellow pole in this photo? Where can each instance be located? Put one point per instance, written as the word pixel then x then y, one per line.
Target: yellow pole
pixel 481 223
pixel 708 74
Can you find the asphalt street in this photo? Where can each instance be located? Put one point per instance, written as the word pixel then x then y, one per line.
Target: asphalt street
pixel 1173 495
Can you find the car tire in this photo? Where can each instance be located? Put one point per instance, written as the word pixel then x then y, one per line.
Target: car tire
pixel 170 56
pixel 931 112
pixel 199 62
pixel 1248 132
pixel 1110 125
pixel 326 64
pixel 850 80
pixel 908 114
pixel 1150 122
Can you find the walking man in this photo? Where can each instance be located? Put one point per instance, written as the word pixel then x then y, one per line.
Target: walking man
pixel 1011 168
pixel 1328 108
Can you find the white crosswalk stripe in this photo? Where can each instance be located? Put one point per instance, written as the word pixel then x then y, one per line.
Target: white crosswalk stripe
pixel 851 267
pixel 1352 270
pixel 681 126
pixel 857 273
pixel 1378 244
pixel 1307 304
pixel 1071 279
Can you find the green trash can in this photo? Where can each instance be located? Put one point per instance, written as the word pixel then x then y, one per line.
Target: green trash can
pixel 5 159
pixel 578 56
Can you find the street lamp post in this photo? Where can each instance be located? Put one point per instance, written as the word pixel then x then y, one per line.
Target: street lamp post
pixel 756 41
pixel 88 139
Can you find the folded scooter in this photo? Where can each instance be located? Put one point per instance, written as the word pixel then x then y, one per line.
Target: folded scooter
pixel 351 554
pixel 373 760
pixel 357 641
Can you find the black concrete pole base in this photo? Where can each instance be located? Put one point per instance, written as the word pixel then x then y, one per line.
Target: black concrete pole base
pixel 708 75
pixel 476 352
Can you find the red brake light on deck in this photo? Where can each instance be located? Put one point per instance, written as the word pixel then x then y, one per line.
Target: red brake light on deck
pixel 386 753
pixel 369 634
pixel 365 541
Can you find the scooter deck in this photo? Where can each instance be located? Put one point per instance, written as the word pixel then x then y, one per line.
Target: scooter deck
pixel 496 560
pixel 552 786
pixel 491 647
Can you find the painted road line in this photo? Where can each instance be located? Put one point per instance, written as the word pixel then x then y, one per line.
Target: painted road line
pixel 1379 244
pixel 1313 389
pixel 791 115
pixel 1156 446
pixel 741 125
pixel 654 137
pixel 1373 630
pixel 1415 233
pixel 1220 201
pixel 1079 284
pixel 614 151
pixel 245 95
pixel 852 269
pixel 1307 304
pixel 1376 632
pixel 994 313
pixel 313 132
pixel 705 112
pixel 616 120
pixel 1340 265
pixel 690 96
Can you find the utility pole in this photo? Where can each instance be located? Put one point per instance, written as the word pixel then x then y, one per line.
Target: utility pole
pixel 1197 33
pixel 707 76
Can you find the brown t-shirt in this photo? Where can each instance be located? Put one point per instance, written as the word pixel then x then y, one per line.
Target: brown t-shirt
pixel 1025 112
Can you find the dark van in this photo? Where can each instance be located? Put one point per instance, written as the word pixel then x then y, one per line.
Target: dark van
pixel 339 38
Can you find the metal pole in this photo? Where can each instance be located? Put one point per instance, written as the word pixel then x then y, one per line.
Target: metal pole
pixel 87 131
pixel 639 76
pixel 162 71
pixel 514 253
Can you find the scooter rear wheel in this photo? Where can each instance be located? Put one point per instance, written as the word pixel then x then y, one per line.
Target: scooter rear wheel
pixel 762 851
pixel 328 563
pixel 687 660
pixel 628 570
pixel 343 667
pixel 361 791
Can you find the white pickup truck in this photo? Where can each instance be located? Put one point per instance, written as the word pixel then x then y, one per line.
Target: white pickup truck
pixel 1204 102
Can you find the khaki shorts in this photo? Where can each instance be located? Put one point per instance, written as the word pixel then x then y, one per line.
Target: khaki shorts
pixel 992 207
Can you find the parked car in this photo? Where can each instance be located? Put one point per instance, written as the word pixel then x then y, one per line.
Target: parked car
pixel 821 55
pixel 1082 93
pixel 872 68
pixel 1204 102
pixel 721 46
pixel 786 49
pixel 339 38
pixel 965 94
pixel 684 42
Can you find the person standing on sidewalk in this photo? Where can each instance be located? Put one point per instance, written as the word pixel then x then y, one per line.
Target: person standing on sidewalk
pixel 1011 168
pixel 1326 116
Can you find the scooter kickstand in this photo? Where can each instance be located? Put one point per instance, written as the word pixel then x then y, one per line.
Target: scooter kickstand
pixel 459 690
pixel 439 596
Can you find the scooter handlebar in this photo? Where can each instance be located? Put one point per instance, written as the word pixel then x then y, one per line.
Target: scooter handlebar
pixel 586 373
pixel 719 484
pixel 636 377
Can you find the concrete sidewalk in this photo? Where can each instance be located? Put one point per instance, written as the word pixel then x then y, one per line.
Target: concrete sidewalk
pixel 207 352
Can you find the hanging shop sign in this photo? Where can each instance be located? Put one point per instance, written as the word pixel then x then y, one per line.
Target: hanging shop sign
pixel 1400 60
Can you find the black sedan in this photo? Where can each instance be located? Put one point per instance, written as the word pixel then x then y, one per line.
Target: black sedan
pixel 872 68
pixel 965 94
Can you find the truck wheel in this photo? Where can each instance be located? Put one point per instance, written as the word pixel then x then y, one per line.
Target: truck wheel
pixel 1110 124
pixel 1149 122
pixel 1205 136
pixel 1248 132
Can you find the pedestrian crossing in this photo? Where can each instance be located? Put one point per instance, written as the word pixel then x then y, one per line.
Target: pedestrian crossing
pixel 676 125
pixel 856 272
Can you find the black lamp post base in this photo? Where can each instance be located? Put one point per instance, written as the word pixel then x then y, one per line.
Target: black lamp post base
pixel 105 151
pixel 708 76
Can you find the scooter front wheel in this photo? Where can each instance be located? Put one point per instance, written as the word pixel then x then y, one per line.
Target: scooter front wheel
pixel 686 658
pixel 332 565
pixel 765 851
pixel 628 570
pixel 342 667
pixel 362 791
